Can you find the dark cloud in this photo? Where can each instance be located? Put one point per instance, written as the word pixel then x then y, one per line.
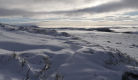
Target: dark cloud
pixel 14 12
pixel 103 8
pixel 34 2
pixel 108 7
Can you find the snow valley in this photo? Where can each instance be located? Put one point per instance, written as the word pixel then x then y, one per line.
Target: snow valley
pixel 32 53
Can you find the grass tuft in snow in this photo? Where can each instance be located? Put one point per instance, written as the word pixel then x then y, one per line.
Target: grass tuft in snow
pixel 47 63
pixel 27 76
pixel 14 55
pixel 41 73
pixel 23 62
pixel 59 76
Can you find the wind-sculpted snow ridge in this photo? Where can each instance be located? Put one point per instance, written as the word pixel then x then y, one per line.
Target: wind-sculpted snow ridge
pixel 91 64
pixel 85 63
pixel 27 55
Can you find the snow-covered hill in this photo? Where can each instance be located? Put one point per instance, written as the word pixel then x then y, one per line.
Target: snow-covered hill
pixel 28 53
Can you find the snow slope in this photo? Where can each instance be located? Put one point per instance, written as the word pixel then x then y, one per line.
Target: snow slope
pixel 45 54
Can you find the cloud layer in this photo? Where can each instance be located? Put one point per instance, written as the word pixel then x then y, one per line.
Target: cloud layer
pixel 102 8
pixel 70 10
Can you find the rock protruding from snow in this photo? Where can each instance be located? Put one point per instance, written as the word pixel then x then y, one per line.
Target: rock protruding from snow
pixel 65 34
pixel 130 76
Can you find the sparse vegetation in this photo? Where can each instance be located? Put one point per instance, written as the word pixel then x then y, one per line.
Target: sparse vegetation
pixel 41 73
pixel 14 55
pixel 59 77
pixel 27 76
pixel 47 64
pixel 91 51
pixel 23 62
pixel 120 57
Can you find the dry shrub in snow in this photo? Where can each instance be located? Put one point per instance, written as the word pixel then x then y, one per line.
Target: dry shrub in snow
pixel 116 57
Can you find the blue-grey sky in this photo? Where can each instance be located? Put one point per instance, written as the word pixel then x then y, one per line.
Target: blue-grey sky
pixel 62 13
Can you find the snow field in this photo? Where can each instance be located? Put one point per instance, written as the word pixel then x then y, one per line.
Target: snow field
pixel 29 55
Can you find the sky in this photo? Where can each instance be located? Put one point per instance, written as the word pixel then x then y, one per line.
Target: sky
pixel 70 13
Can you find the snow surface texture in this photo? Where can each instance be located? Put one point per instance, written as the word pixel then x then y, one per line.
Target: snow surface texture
pixel 44 54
